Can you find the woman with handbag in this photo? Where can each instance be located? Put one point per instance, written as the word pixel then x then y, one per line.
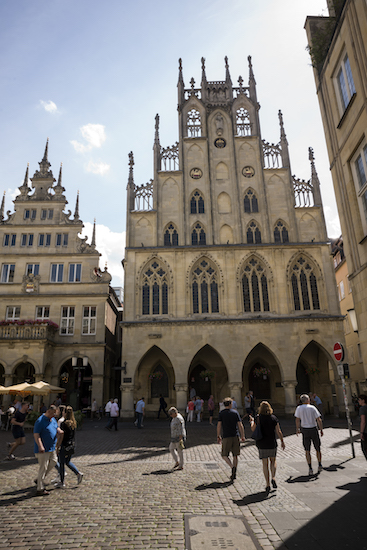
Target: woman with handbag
pixel 66 447
pixel 268 425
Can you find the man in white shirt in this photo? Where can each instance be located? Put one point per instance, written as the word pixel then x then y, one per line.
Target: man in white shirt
pixel 140 410
pixel 308 418
pixel 114 414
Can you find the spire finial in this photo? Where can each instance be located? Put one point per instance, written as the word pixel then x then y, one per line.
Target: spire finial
pixel 315 182
pixel 192 82
pixel 180 76
pixel 24 188
pixel 156 137
pixel 282 132
pixel 45 156
pixel 2 208
pixel 228 76
pixel 251 72
pixel 76 213
pixel 130 182
pixel 203 74
pixel 93 243
pixel 240 82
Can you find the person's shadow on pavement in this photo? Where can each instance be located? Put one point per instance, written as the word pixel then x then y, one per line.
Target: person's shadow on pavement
pixel 159 473
pixel 254 497
pixel 214 485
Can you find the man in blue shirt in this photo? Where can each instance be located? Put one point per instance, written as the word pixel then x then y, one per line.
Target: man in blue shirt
pixel 140 409
pixel 45 434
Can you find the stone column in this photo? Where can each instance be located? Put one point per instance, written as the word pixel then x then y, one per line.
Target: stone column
pixel 235 389
pixel 127 401
pixel 290 396
pixel 181 397
pixel 7 397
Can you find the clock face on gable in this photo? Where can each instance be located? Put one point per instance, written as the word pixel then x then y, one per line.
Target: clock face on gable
pixel 196 173
pixel 248 171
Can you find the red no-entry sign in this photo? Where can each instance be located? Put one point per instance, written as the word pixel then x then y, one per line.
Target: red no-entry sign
pixel 338 351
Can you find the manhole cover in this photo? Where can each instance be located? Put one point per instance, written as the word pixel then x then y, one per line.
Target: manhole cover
pixel 219 532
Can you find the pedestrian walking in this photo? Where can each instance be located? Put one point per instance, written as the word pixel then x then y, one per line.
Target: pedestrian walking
pixel 234 404
pixel 140 411
pixel 46 433
pixel 362 401
pixel 17 423
pixel 308 418
pixel 162 406
pixel 94 409
pixel 318 403
pixel 66 447
pixel 191 408
pixel 107 408
pixel 267 445
pixel 211 407
pixel 198 407
pixel 229 431
pixel 114 414
pixel 178 436
pixel 192 393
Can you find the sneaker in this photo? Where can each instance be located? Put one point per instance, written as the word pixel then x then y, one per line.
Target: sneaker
pixel 80 478
pixel 234 473
pixel 10 457
pixel 60 485
pixel 310 471
pixel 55 480
pixel 274 483
pixel 320 468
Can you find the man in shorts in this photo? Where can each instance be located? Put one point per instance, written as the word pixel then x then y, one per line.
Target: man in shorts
pixel 17 423
pixel 229 422
pixel 308 418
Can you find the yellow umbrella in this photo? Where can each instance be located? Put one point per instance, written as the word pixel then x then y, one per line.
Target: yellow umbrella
pixel 19 389
pixel 2 390
pixel 43 388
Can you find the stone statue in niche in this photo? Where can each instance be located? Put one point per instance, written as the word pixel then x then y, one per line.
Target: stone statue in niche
pixel 219 124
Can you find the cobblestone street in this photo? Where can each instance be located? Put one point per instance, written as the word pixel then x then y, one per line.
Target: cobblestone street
pixel 131 499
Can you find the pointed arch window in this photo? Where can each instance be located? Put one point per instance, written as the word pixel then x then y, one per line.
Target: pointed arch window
pixel 250 203
pixel 170 235
pixel 204 285
pixel 155 289
pixel 253 234
pixel 304 286
pixel 255 287
pixel 243 124
pixel 197 203
pixel 158 382
pixel 193 123
pixel 281 233
pixel 198 236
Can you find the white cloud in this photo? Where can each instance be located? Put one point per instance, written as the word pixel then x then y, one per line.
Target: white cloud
pixel 49 106
pixel 112 247
pixel 332 222
pixel 98 167
pixel 94 135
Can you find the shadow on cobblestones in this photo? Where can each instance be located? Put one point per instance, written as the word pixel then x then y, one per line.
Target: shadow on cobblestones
pixel 214 485
pixel 252 499
pixel 159 473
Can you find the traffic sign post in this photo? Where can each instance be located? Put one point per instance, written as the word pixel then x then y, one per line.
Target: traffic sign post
pixel 340 368
pixel 338 352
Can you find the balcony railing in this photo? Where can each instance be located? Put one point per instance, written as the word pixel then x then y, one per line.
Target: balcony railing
pixel 26 332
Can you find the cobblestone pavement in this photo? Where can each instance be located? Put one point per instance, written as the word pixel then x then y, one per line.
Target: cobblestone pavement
pixel 131 499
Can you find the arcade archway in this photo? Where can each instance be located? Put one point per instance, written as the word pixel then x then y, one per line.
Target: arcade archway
pixel 77 382
pixel 208 375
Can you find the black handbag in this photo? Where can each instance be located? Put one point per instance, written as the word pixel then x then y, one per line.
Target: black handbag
pixel 257 433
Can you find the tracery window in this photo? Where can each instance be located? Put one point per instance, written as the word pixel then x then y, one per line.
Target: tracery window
pixel 155 289
pixel 197 204
pixel 243 124
pixel 250 202
pixel 255 287
pixel 198 236
pixel 170 235
pixel 253 234
pixel 193 123
pixel 158 382
pixel 281 233
pixel 304 286
pixel 204 285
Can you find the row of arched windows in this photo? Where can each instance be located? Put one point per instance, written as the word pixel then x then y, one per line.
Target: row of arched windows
pixel 250 203
pixel 198 235
pixel 204 285
pixel 243 123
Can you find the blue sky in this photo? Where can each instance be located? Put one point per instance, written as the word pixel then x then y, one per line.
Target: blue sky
pixel 92 74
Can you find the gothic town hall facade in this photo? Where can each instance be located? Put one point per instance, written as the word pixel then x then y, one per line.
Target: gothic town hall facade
pixel 229 284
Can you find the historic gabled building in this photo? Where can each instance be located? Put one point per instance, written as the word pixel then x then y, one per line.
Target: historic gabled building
pixel 58 313
pixel 338 49
pixel 229 283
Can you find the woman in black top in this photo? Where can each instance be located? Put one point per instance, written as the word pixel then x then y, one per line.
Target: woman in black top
pixel 66 447
pixel 267 445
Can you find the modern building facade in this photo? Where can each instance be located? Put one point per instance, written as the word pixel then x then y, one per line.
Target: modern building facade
pixel 338 48
pixel 229 282
pixel 58 312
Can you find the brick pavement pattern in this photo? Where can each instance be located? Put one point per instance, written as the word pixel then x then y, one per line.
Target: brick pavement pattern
pixel 131 499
